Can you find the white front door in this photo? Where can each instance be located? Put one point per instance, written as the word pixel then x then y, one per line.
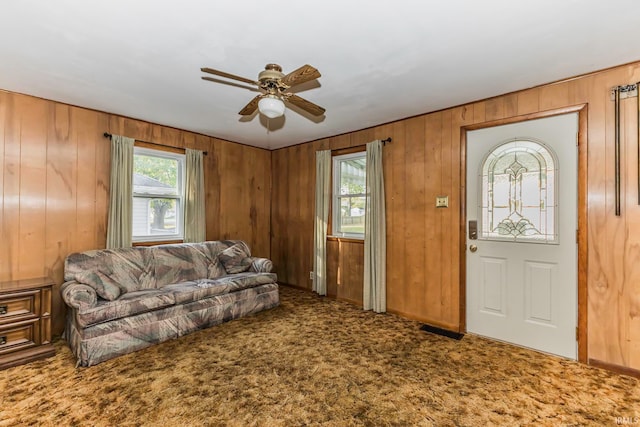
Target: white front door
pixel 522 264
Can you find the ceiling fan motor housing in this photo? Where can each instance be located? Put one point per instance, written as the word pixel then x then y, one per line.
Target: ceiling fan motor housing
pixel 271 72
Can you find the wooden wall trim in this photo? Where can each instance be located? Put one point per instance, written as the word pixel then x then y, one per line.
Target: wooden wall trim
pixel 524 117
pixel 623 370
pixel 345 240
pixel 583 227
pixel 462 265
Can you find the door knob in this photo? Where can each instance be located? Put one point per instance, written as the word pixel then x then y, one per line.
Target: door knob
pixel 473 248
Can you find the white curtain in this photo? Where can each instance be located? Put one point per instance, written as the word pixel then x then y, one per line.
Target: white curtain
pixel 120 193
pixel 194 210
pixel 323 196
pixel 375 245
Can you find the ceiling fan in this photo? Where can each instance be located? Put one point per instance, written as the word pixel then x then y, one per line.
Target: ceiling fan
pixel 274 85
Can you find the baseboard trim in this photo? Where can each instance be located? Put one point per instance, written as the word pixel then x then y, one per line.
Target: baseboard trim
pixel 289 285
pixel 444 332
pixel 623 370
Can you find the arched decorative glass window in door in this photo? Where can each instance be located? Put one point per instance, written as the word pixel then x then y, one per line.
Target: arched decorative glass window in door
pixel 518 193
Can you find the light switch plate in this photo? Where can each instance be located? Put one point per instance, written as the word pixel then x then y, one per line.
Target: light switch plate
pixel 442 202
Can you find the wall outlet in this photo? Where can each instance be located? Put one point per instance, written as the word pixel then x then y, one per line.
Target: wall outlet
pixel 311 275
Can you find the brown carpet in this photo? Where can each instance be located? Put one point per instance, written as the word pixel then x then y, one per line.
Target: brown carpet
pixel 317 361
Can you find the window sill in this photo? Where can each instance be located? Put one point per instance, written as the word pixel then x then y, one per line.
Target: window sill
pixel 159 242
pixel 345 239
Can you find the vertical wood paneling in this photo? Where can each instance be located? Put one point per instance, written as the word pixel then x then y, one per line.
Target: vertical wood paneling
pixel 424 244
pixel 432 219
pixel 528 101
pixel 598 289
pixel 447 232
pixel 460 117
pixel 61 197
pixel 33 186
pixel 554 96
pixel 5 263
pixel 396 245
pixel 86 190
pixel 54 179
pixel 415 292
pixel 494 109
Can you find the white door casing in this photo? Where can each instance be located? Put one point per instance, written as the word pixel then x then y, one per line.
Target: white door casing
pixel 524 292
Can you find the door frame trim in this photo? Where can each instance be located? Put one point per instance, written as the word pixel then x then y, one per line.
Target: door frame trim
pixel 582 144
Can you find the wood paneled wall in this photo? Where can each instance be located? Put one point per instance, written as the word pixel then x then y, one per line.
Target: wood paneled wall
pixel 54 177
pixel 423 243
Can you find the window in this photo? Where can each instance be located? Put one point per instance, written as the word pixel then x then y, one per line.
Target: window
pixel 349 195
pixel 519 197
pixel 158 191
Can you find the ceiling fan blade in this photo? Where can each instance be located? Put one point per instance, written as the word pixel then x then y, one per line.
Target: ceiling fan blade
pixel 227 75
pixel 307 106
pixel 224 82
pixel 251 107
pixel 301 75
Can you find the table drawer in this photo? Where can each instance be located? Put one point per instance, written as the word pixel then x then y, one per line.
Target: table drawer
pixel 19 336
pixel 19 305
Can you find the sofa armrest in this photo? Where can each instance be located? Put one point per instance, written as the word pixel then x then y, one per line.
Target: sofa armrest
pixel 78 295
pixel 261 265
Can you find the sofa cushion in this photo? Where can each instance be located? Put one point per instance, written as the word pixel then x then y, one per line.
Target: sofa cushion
pixel 196 290
pixel 216 269
pixel 128 304
pixel 131 269
pixel 103 285
pixel 213 250
pixel 235 259
pixel 180 262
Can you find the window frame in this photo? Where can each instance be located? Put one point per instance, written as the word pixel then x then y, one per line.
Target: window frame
pixel 334 219
pixel 179 156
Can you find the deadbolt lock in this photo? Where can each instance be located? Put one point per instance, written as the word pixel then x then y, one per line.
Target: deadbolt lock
pixel 473 230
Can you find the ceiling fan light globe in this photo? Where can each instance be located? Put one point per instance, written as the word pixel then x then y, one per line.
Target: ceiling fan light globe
pixel 271 106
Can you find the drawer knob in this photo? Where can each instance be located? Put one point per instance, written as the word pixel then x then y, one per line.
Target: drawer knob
pixel 3 340
pixel 3 309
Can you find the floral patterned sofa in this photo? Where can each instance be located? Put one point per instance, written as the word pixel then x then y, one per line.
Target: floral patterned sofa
pixel 123 300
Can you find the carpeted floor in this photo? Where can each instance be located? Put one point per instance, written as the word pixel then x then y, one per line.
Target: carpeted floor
pixel 316 361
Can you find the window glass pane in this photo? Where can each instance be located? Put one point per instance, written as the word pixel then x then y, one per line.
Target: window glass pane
pixel 518 193
pixel 352 214
pixel 155 216
pixel 352 176
pixel 155 175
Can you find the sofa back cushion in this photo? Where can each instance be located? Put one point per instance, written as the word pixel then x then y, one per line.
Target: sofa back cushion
pixel 138 268
pixel 216 249
pixel 181 262
pixel 129 269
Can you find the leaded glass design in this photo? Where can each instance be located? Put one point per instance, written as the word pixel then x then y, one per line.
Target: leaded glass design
pixel 518 193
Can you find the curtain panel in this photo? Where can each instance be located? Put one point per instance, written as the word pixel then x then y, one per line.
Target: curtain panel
pixel 375 245
pixel 120 223
pixel 323 197
pixel 194 209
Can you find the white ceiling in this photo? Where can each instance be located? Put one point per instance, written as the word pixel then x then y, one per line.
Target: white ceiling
pixel 380 60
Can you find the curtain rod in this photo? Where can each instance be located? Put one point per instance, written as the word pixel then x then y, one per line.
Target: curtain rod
pixel 108 135
pixel 384 142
